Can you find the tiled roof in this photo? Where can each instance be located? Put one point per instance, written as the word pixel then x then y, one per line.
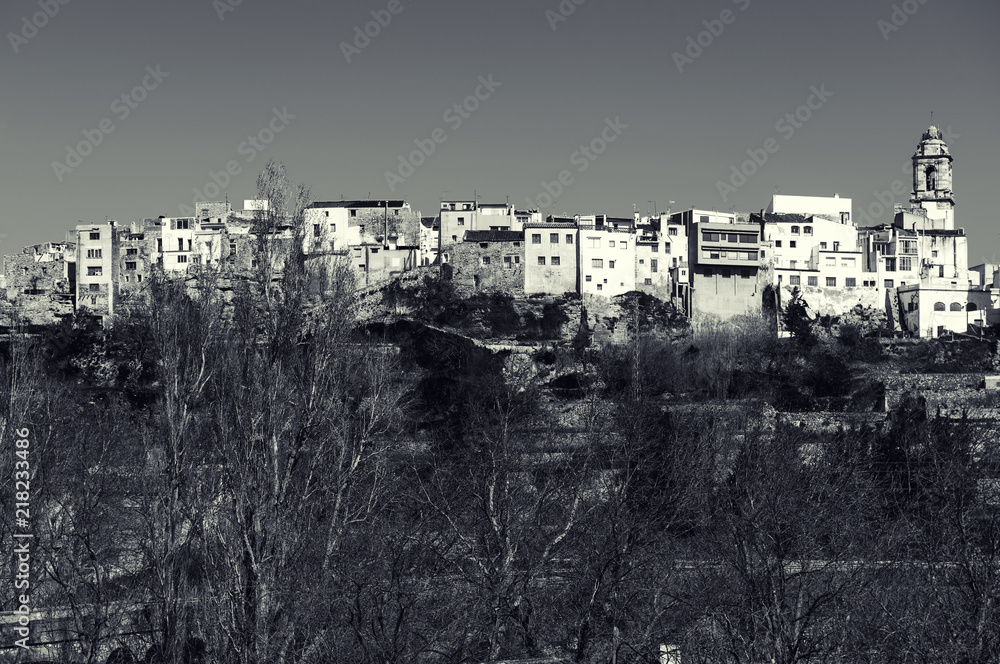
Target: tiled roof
pixel 359 204
pixel 493 236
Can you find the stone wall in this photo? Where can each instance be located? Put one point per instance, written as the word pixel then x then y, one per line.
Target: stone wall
pixel 497 266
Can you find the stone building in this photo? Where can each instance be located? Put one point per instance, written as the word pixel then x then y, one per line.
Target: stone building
pixel 489 261
pixel 40 281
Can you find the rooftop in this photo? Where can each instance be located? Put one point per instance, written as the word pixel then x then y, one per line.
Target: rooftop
pixel 493 236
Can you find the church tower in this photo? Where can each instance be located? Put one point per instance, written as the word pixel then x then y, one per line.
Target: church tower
pixel 932 179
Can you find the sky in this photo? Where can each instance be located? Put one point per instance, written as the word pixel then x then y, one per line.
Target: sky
pixel 122 109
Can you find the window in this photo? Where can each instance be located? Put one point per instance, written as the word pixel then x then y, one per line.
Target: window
pixel 94 271
pixel 315 230
pixel 624 245
pixel 888 283
pixel 159 244
pixel 905 263
pixel 808 230
pixel 182 258
pixel 666 248
pixel 541 260
pixel 704 219
pixel 713 255
pixel 955 306
pixel 890 264
pixel 482 245
pixel 196 260
pixel 461 221
pixel 931 179
pixel 671 231
pixel 93 300
pixel 555 260
pixel 831 261
pixel 131 252
pixel 763 255
pixel 486 260
pixel 794 280
pixel 597 262
pixel 611 244
pixel 93 253
pixel 934 254
pixel 611 265
pixel 710 237
pixel 795 230
pixel 95 236
pixel 648 282
pixel 831 282
pixel 138 277
pixel 655 249
pixel 569 239
pixel 734 237
pixel 971 307
pixel 777 243
pixel 183 224
pixel 812 281
pixel 791 244
pixel 939 306
pixel 326 213
pixel 748 239
pixel 129 265
pixel 354 213
pixel 589 278
pixel 553 238
pixel 94 288
pixel 792 264
pixel 822 245
pixel 600 287
pixel 507 260
pixel 847 261
pixel 517 259
pixel 654 265
pixel 850 282
pixel 536 238
pixel 594 242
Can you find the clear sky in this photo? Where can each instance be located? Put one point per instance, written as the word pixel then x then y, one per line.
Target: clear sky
pixel 686 114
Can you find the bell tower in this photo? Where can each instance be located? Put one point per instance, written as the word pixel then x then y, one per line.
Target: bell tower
pixel 932 180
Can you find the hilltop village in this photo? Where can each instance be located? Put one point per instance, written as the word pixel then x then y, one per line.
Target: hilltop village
pixel 492 436
pixel 707 263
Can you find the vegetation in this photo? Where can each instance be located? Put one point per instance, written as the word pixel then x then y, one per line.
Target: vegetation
pixel 268 479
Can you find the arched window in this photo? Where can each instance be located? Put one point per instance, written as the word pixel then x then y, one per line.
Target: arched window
pixel 971 306
pixel 939 306
pixel 956 306
pixel 931 179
